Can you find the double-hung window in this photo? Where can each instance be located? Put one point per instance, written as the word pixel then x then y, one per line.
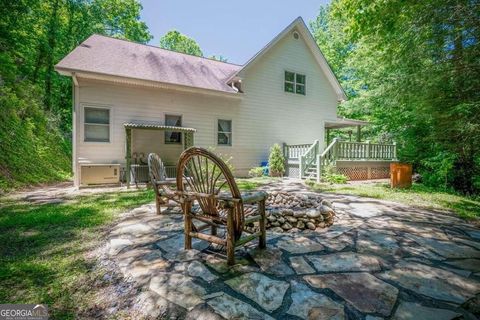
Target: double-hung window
pixel 224 132
pixel 96 124
pixel 172 137
pixel 295 82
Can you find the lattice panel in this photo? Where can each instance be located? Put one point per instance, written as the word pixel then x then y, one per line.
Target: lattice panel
pixel 379 173
pixel 354 173
pixel 292 171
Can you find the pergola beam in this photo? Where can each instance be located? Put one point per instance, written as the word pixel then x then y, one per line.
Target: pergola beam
pixel 188 139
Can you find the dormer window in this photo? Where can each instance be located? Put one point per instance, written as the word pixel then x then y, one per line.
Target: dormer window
pixel 295 82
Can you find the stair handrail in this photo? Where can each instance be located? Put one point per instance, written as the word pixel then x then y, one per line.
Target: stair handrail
pixel 308 158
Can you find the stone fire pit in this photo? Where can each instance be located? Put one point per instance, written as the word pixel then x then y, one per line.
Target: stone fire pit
pixel 292 212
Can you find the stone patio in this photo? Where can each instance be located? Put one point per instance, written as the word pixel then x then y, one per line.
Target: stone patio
pixel 378 260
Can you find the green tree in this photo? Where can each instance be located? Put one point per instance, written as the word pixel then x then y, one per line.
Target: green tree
pixel 276 161
pixel 412 68
pixel 36 100
pixel 176 41
pixel 219 58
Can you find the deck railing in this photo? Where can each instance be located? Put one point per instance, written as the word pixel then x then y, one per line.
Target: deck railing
pixel 294 151
pixel 364 151
pixel 308 158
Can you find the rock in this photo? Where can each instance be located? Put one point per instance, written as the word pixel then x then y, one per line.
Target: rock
pixel 276 229
pixel 327 203
pixel 270 261
pixel 287 212
pixel 267 292
pixel 469 264
pixel 298 213
pixel 232 308
pixel 324 210
pixel 313 213
pixel 412 311
pixel 271 218
pixel 144 266
pixel 432 282
pixel 307 304
pixel 321 224
pixel 376 242
pixel 203 312
pixel 363 290
pixel 344 261
pixel 298 244
pixel 294 230
pixel 311 225
pixel 174 245
pixel 446 249
pixel 286 226
pixel 301 225
pixel 300 265
pixel 178 289
pixel 276 224
pixel 197 269
pixel 117 245
pixel 291 219
pixel 281 220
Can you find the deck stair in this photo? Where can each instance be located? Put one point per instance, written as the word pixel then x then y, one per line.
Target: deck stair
pixel 358 160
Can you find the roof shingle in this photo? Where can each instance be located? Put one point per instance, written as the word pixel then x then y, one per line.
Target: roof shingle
pixel 115 57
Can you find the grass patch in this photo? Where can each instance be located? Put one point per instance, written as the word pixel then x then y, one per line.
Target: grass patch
pixel 249 184
pixel 42 249
pixel 418 195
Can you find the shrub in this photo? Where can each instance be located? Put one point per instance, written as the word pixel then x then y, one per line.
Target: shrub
pixel 225 158
pixel 256 172
pixel 276 161
pixel 331 176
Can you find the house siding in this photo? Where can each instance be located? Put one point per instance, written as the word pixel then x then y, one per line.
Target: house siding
pixel 266 115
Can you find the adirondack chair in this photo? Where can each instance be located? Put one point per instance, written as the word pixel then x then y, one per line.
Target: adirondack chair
pixel 160 183
pixel 210 195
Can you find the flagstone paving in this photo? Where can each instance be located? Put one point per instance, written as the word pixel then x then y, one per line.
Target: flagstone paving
pixel 379 260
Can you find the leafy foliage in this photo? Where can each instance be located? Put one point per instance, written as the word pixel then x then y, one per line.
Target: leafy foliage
pixel 256 172
pixel 35 132
pixel 329 175
pixel 176 41
pixel 276 161
pixel 412 69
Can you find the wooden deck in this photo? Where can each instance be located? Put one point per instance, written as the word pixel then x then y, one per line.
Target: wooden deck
pixel 356 160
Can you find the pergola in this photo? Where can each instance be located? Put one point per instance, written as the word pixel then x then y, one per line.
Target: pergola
pixel 149 125
pixel 345 123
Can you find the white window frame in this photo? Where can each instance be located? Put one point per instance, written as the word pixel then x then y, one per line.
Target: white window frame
pixel 294 82
pixel 110 123
pixel 218 132
pixel 181 124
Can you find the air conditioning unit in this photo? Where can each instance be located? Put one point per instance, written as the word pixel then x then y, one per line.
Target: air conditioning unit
pixel 99 174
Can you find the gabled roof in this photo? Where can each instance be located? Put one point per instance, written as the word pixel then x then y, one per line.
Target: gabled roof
pixel 106 56
pixel 299 25
pixel 109 56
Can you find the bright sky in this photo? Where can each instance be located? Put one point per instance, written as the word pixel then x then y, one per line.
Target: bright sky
pixel 235 29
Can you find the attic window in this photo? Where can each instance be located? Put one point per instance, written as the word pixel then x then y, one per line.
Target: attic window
pixel 295 82
pixel 295 35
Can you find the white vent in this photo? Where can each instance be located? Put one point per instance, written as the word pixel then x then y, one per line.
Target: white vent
pixel 296 35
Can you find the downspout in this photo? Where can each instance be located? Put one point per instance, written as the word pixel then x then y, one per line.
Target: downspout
pixel 75 94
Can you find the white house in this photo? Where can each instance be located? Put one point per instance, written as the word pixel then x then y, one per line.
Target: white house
pixel 285 94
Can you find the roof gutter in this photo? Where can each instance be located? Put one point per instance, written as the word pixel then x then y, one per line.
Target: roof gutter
pixel 144 83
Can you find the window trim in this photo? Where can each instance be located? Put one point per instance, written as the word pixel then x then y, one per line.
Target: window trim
pixel 295 83
pixel 110 123
pixel 181 134
pixel 217 132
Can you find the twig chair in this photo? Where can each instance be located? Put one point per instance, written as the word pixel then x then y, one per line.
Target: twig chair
pixel 160 183
pixel 209 183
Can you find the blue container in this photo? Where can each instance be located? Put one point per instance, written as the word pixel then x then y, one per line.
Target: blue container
pixel 264 165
